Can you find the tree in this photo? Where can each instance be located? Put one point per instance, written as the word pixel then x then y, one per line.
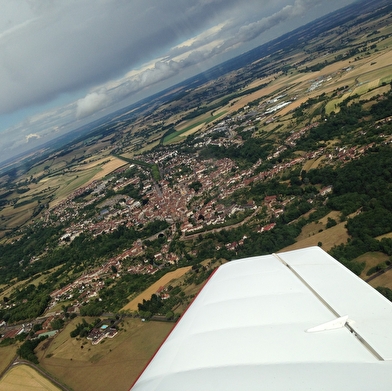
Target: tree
pixel 26 350
pixel 169 315
pixel 196 186
pixel 57 324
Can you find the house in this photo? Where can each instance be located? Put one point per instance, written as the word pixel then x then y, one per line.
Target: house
pixel 325 190
pixel 270 199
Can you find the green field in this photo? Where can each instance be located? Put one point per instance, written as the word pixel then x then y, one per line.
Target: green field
pixel 73 181
pixel 333 105
pixel 176 136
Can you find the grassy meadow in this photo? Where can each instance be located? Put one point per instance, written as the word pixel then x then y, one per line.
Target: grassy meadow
pixel 114 364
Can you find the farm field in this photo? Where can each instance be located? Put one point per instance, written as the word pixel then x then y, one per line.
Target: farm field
pixel 328 237
pixel 192 126
pixel 12 217
pixel 384 280
pixel 313 163
pixel 108 167
pixel 388 235
pixel 10 287
pixel 371 259
pixel 146 295
pixel 114 364
pixel 7 353
pixel 55 187
pixel 23 377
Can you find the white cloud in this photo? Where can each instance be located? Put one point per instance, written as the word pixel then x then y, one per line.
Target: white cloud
pixel 32 136
pixel 90 104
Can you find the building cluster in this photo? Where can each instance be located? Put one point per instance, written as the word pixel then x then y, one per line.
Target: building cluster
pixel 88 285
pixel 176 199
pixel 96 335
pixel 173 199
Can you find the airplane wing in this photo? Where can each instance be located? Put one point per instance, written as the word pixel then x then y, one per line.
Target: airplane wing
pixel 295 321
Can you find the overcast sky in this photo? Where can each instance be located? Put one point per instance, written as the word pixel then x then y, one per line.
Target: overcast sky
pixel 64 63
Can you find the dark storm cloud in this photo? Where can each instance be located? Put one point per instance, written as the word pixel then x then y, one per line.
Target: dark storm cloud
pixel 63 47
pixel 229 34
pixel 96 53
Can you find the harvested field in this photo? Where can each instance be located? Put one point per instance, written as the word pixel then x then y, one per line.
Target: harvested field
pixel 384 280
pixel 332 68
pixel 109 167
pixel 128 155
pixel 191 131
pixel 329 237
pixel 310 230
pixel 192 290
pixel 332 215
pixel 333 105
pixel 371 259
pixel 11 287
pixel 260 82
pixel 146 295
pixel 72 181
pixel 243 101
pixel 377 91
pixel 293 106
pixel 186 128
pixel 62 183
pixel 317 226
pixel 16 217
pixel 23 377
pixel 114 364
pixel 301 82
pixel 179 136
pixel 7 354
pixel 148 147
pixel 388 235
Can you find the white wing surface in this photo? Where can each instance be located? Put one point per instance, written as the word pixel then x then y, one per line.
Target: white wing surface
pixel 250 329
